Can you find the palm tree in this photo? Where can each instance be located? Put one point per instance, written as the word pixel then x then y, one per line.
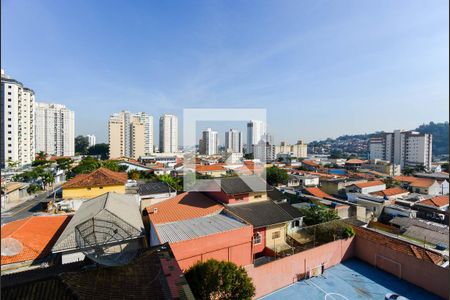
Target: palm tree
pixel 41 156
pixel 48 179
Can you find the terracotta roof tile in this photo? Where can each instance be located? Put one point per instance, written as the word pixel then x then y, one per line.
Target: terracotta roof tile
pixel 398 245
pixel 422 182
pixel 37 235
pixel 368 184
pixel 99 177
pixel 188 205
pixel 393 191
pixel 405 178
pixel 355 161
pixel 209 168
pixel 316 192
pixel 438 201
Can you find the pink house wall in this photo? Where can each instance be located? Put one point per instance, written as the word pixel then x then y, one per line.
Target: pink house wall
pixel 419 272
pixel 260 247
pixel 280 273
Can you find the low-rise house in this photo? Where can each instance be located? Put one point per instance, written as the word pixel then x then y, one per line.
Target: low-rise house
pixel 27 243
pixel 435 208
pixel 317 192
pixel 197 228
pixel 354 164
pixel 109 225
pixel 336 186
pixel 392 193
pixel 14 192
pixel 383 166
pixel 374 205
pixel 211 170
pixel 310 165
pixel 94 184
pixel 153 192
pixel 366 187
pixel 303 180
pixel 429 186
pixel 132 165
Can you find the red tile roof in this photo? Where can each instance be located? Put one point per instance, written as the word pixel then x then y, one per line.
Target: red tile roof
pixel 422 182
pixel 36 234
pixel 392 192
pixel 310 163
pixel 316 192
pixel 405 178
pixel 99 177
pixel 188 205
pixel 398 245
pixel 355 161
pixel 438 201
pixel 362 185
pixel 209 168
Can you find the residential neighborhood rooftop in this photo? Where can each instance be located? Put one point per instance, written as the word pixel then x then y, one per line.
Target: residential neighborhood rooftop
pixel 99 177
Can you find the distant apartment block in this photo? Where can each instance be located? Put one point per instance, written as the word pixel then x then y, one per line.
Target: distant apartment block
pixel 299 150
pixel 17 122
pixel 130 134
pixel 54 129
pixel 209 143
pixel 404 148
pixel 233 141
pixel 256 131
pixel 92 140
pixel 168 134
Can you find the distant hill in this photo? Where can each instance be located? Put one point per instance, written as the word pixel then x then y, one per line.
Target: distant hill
pixel 438 130
pixel 440 136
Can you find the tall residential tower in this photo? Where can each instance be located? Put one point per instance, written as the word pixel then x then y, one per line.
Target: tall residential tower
pixel 168 134
pixel 17 123
pixel 55 129
pixel 233 141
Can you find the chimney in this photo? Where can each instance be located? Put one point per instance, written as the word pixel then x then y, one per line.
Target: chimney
pixel 155 210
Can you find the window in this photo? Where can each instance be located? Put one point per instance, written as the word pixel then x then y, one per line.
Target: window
pixel 101 188
pixel 256 238
pixel 258 196
pixel 88 189
pixel 275 235
pixel 296 223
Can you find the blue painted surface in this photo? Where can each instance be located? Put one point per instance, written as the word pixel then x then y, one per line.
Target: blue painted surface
pixel 337 171
pixel 353 279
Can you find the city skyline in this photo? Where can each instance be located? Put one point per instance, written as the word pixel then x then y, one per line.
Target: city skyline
pixel 300 61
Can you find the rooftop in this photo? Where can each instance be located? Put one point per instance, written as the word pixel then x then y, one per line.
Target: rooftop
pixel 195 228
pixel 261 213
pixel 317 192
pixel 391 192
pixel 355 161
pixel 362 185
pixel 188 205
pixel 422 182
pixel 150 188
pixel 99 177
pixel 209 168
pixel 36 234
pixel 438 201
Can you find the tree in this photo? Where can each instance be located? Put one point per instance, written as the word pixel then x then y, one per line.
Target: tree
pixel 41 155
pixel 64 163
pixel 174 182
pixel 390 182
pixel 81 144
pixel 407 171
pixel 276 176
pixel 249 156
pixel 47 179
pixel 219 280
pixel 317 214
pixel 99 149
pixel 444 167
pixel 87 165
pixel 113 165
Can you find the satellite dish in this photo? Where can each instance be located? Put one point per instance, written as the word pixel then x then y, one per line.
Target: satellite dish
pixel 11 247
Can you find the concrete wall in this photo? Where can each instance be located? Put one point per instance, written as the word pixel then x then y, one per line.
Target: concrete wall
pixel 280 273
pixel 419 272
pixel 234 246
pixel 274 242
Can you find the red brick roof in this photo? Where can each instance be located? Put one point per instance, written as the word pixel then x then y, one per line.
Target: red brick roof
pixel 188 205
pixel 368 184
pixel 438 201
pixel 316 192
pixel 405 178
pixel 36 234
pixel 398 245
pixel 422 182
pixel 99 177
pixel 310 163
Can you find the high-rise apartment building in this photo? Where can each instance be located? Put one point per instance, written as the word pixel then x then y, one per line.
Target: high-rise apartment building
pixel 130 134
pixel 233 141
pixel 168 134
pixel 92 140
pixel 54 129
pixel 256 131
pixel 17 123
pixel 209 143
pixel 404 148
pixel 299 150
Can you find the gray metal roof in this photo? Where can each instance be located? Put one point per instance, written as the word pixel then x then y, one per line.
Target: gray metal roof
pixel 427 235
pixel 198 227
pixel 108 205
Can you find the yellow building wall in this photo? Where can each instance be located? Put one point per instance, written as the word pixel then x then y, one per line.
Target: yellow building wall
pixel 73 193
pixel 272 243
pixel 254 197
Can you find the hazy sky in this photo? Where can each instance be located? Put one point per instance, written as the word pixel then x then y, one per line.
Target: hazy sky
pixel 321 68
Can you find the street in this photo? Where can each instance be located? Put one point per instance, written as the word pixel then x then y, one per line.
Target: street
pixel 26 209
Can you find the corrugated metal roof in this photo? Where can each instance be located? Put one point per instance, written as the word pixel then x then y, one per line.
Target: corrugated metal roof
pixel 195 228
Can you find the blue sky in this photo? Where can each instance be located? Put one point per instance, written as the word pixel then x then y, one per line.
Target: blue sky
pixel 321 68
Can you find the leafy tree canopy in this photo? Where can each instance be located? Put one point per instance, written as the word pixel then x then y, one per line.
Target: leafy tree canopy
pixel 219 280
pixel 317 214
pixel 99 149
pixel 81 144
pixel 275 176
